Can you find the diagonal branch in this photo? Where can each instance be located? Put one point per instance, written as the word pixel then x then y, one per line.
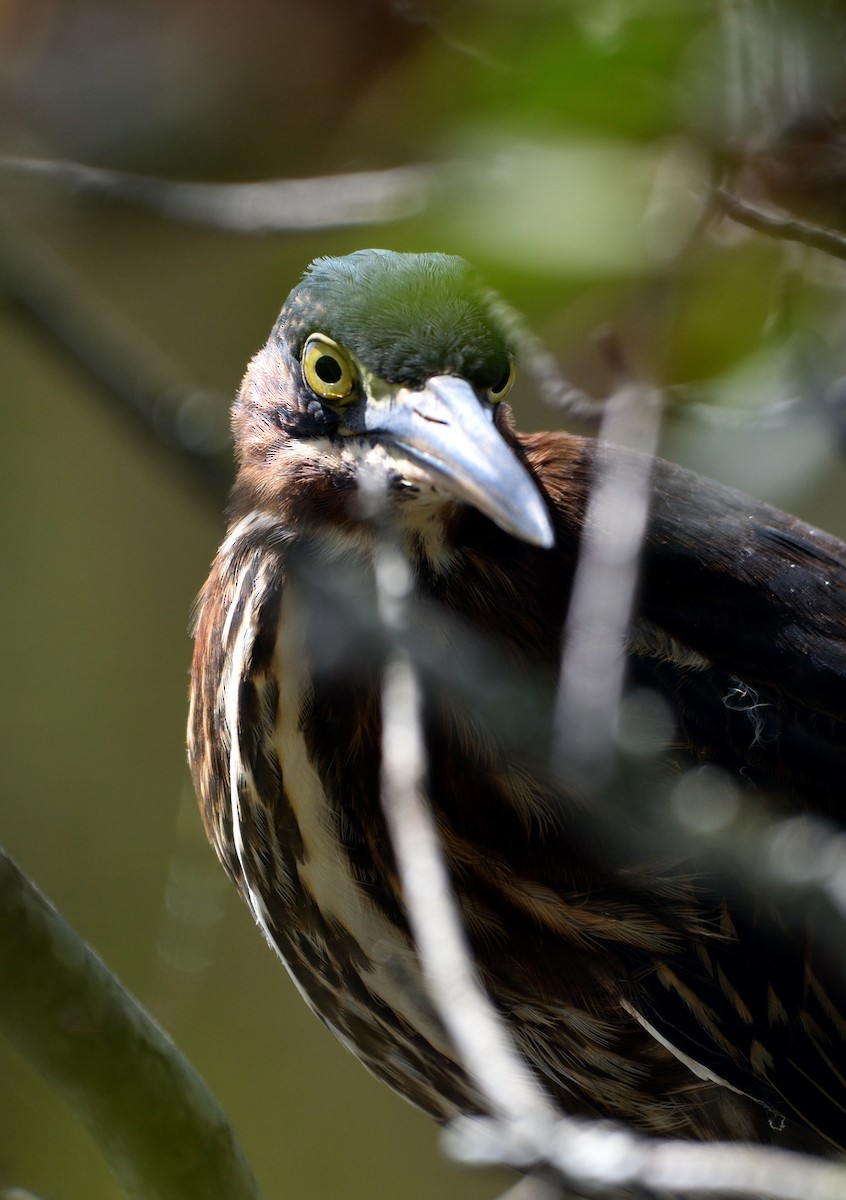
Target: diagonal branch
pixel 484 1045
pixel 158 1126
pixel 265 206
pixel 788 229
pixel 594 656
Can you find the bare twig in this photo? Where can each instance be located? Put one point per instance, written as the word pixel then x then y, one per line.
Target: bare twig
pixel 483 1043
pixel 266 206
pixel 598 1157
pixel 159 1128
pixel 593 661
pixel 789 229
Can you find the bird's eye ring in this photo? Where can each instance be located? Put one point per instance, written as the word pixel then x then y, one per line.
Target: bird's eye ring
pixel 326 368
pixel 503 385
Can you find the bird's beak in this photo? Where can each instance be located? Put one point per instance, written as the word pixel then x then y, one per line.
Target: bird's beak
pixel 445 428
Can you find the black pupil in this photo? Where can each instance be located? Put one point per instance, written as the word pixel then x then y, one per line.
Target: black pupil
pixel 502 382
pixel 328 369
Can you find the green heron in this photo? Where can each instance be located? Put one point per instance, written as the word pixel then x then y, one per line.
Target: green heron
pixel 646 983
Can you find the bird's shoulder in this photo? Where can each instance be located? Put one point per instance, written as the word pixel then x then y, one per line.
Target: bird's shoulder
pixel 724 578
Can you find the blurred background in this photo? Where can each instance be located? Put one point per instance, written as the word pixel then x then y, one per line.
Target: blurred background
pixel 569 149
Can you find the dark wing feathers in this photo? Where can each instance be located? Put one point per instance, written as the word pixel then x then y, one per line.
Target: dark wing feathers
pixel 756 1012
pixel 762 598
pixel 757 592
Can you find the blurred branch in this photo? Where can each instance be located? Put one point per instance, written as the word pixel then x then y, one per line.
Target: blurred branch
pixel 788 229
pixel 157 1125
pixel 593 660
pixel 686 401
pixel 266 206
pixel 599 1157
pixel 189 421
pixel 139 380
pixel 485 1047
pixel 507 1086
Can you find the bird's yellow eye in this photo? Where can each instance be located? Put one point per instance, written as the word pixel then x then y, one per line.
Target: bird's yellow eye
pixel 326 369
pixel 502 386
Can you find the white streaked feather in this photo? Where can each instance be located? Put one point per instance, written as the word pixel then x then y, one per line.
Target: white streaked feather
pixel 698 1069
pixel 395 975
pixel 238 774
pixel 251 523
pixel 230 685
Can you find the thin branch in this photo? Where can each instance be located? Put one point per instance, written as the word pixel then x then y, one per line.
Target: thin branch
pixel 788 229
pixel 158 1126
pixel 483 1043
pixel 598 1157
pixel 594 652
pixel 266 206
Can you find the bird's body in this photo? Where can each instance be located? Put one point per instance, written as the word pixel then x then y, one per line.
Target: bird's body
pixel 639 982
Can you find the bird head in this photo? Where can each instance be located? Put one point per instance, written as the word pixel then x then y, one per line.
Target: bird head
pixel 390 368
